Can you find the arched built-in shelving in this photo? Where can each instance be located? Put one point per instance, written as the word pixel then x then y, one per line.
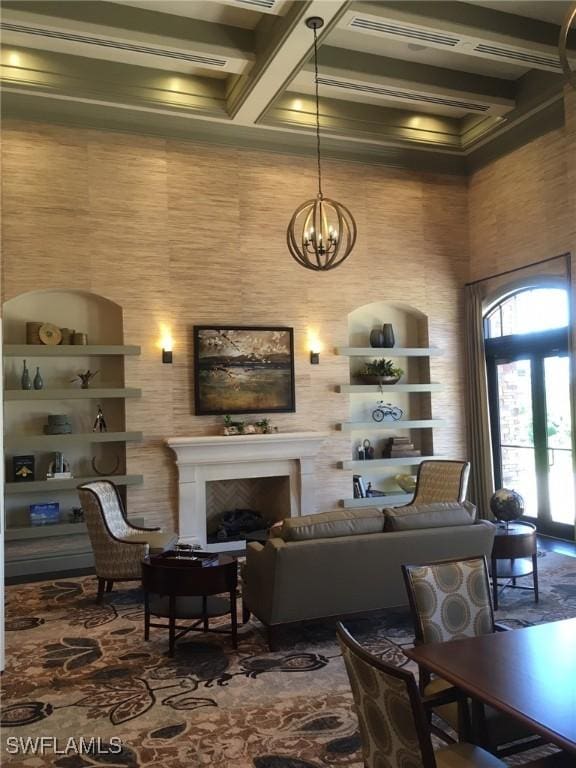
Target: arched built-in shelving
pixel 413 394
pixel 62 545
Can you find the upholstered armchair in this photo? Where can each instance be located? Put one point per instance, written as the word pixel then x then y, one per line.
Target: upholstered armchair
pixel 441 480
pixel 449 600
pixel 393 716
pixel 118 545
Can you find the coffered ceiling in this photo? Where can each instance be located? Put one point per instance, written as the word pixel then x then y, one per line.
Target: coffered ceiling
pixel 427 83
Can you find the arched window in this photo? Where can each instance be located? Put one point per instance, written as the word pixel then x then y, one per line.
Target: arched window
pixel 528 311
pixel 526 339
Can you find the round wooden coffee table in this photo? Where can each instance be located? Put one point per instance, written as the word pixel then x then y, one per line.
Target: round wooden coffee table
pixel 189 587
pixel 514 555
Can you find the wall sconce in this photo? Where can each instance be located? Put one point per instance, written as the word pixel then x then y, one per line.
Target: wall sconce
pixel 315 347
pixel 166 345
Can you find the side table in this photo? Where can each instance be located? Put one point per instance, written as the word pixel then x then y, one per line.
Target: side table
pixel 517 545
pixel 189 587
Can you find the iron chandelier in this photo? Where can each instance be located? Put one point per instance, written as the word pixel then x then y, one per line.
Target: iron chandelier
pixel 322 232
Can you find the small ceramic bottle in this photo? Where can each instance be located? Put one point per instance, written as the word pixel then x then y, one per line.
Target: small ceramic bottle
pixel 25 380
pixel 38 380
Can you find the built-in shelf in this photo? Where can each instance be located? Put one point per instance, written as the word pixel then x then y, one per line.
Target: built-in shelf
pixel 69 350
pixel 42 531
pixel 71 393
pixel 368 388
pixel 45 486
pixel 389 351
pixel 380 426
pixel 48 442
pixel 26 532
pixel 402 461
pixel 389 500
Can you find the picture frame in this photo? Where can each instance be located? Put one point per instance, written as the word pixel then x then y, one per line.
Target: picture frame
pixel 243 369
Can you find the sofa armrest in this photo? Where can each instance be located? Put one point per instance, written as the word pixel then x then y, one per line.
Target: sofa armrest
pixel 258 578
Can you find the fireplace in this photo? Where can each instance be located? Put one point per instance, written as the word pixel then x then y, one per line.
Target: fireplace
pixel 285 458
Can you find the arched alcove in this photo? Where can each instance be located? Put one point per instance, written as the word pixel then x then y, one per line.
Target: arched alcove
pixel 98 317
pixel 412 394
pixel 26 413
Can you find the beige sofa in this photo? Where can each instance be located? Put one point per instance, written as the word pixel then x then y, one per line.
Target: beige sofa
pixel 340 563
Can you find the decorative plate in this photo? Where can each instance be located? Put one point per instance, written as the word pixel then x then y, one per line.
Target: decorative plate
pixel 50 334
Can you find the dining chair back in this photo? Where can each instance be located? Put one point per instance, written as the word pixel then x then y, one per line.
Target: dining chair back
pixel 449 599
pixel 394 724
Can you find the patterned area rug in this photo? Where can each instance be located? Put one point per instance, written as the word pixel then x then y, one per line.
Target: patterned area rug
pixel 76 669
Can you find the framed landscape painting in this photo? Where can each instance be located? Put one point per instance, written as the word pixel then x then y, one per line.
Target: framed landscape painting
pixel 243 369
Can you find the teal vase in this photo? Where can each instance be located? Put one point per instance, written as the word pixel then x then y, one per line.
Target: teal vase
pixel 38 380
pixel 25 380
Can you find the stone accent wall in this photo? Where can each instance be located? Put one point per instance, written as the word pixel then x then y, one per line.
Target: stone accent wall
pixel 184 233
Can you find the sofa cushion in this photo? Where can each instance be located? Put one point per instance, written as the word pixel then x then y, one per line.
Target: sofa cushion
pixel 328 525
pixel 436 515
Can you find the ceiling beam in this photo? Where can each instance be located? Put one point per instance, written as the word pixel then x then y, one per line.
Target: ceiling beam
pixel 359 122
pixel 286 48
pixel 83 80
pixel 127 34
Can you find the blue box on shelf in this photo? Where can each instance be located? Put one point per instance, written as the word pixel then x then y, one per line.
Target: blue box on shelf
pixel 45 514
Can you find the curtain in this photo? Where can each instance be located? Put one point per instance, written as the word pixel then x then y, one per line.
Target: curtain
pixel 477 420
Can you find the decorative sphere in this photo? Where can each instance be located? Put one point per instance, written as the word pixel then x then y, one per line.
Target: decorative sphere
pixel 507 505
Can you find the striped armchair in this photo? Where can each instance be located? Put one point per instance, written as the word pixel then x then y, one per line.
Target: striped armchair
pixel 118 546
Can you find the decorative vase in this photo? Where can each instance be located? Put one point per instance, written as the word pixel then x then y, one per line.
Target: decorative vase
pixel 377 338
pixel 388 335
pixel 25 380
pixel 38 380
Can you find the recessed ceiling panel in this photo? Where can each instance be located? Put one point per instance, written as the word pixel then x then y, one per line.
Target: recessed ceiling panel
pixel 417 51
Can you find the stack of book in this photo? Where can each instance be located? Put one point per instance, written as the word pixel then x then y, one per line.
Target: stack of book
pixel 398 447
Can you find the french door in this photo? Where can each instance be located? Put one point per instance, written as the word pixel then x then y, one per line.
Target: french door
pixel 529 393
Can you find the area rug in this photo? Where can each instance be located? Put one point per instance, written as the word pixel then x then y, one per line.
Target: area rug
pixel 77 669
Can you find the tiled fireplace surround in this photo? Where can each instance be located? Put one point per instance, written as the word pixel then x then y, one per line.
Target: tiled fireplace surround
pixel 203 460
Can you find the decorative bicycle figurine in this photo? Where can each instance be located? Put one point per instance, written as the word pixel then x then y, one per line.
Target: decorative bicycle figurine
pixel 383 410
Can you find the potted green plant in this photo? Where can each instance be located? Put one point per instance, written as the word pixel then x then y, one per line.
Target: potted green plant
pixel 380 371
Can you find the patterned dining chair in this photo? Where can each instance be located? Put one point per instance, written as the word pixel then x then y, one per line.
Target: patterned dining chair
pixel 441 480
pixel 118 546
pixel 394 727
pixel 449 600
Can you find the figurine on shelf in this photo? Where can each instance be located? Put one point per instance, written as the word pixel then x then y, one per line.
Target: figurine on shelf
pixel 59 468
pixel 85 377
pixel 99 422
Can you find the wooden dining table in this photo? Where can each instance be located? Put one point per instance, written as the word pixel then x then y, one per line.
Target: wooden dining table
pixel 529 673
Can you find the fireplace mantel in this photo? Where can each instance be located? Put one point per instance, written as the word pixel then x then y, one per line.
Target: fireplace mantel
pixel 204 459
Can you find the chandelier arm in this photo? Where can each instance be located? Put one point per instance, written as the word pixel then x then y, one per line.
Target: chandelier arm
pixel 563 47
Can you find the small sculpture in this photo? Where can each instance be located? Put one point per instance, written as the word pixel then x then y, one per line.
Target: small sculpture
pixel 387 411
pixel 58 467
pixel 99 422
pixel 85 377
